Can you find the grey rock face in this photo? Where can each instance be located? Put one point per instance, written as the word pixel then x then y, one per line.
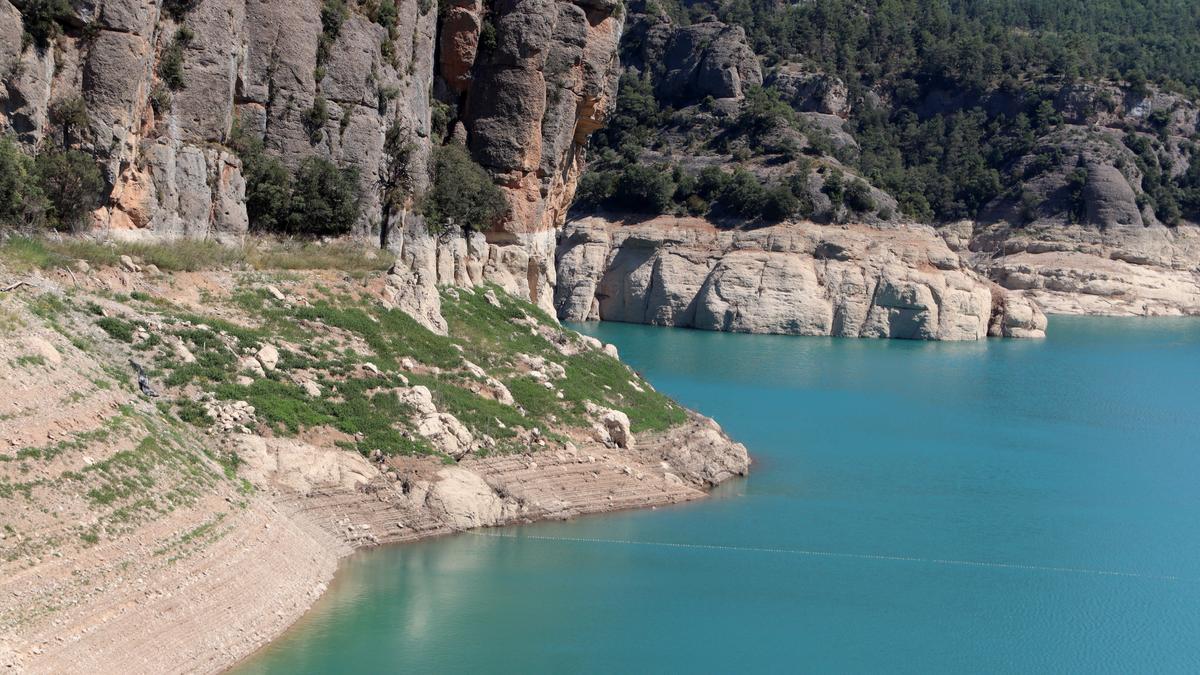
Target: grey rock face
pixel 10 38
pixel 1109 194
pixel 203 109
pixel 525 105
pixel 809 91
pixel 130 16
pixel 794 279
pixel 704 59
pixel 115 87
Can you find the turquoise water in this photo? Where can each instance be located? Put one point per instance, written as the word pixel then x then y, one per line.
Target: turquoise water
pixel 1007 507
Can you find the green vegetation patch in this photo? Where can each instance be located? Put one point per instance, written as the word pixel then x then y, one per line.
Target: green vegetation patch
pixel 494 335
pixel 117 329
pixel 27 253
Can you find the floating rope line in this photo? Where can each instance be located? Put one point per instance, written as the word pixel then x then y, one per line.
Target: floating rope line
pixel 834 554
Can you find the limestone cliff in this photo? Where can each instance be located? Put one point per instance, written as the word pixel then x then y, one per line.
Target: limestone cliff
pixel 795 279
pixel 522 82
pixel 1083 191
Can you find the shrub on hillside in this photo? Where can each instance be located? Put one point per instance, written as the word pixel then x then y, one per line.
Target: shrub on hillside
pixel 835 187
pixel 644 189
pixel 743 194
pixel 596 187
pixel 780 204
pixel 711 183
pixel 324 199
pixel 762 112
pixel 21 202
pixel 858 197
pixel 461 193
pixel 72 183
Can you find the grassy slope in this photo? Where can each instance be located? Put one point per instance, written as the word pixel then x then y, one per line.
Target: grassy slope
pixel 329 339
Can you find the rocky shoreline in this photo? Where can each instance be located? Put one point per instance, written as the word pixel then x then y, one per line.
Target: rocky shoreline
pixel 1114 271
pixel 283 552
pixel 893 281
pixel 134 541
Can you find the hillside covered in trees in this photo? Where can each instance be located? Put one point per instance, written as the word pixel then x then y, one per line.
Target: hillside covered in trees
pixel 888 109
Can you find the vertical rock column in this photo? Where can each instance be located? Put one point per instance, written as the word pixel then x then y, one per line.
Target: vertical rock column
pixel 538 88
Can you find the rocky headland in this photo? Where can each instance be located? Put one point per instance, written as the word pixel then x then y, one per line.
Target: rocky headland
pixel 187 454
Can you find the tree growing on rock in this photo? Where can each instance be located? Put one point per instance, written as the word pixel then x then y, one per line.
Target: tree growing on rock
pixel 461 192
pixel 73 185
pixel 70 115
pixel 320 199
pixel 22 204
pixel 325 198
pixel 40 20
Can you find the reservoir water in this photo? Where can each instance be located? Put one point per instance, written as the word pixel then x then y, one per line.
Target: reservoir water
pixel 1008 507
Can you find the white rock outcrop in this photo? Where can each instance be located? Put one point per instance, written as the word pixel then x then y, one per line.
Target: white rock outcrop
pixel 463 500
pixel 268 356
pixel 287 462
pixel 793 279
pixel 442 430
pixel 611 427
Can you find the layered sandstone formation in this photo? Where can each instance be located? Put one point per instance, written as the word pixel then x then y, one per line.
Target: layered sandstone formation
pixel 794 279
pixel 1076 269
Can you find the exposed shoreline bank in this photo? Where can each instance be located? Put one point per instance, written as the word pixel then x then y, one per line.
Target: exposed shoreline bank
pixel 328 583
pixel 184 530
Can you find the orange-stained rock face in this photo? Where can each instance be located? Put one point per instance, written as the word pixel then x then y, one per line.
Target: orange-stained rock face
pixel 133 199
pixel 459 42
pixel 528 81
pixel 119 220
pixel 535 97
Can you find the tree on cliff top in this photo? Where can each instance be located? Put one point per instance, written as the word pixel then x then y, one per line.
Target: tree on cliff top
pixel 462 193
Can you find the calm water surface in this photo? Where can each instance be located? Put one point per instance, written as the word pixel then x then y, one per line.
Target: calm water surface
pixel 927 508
